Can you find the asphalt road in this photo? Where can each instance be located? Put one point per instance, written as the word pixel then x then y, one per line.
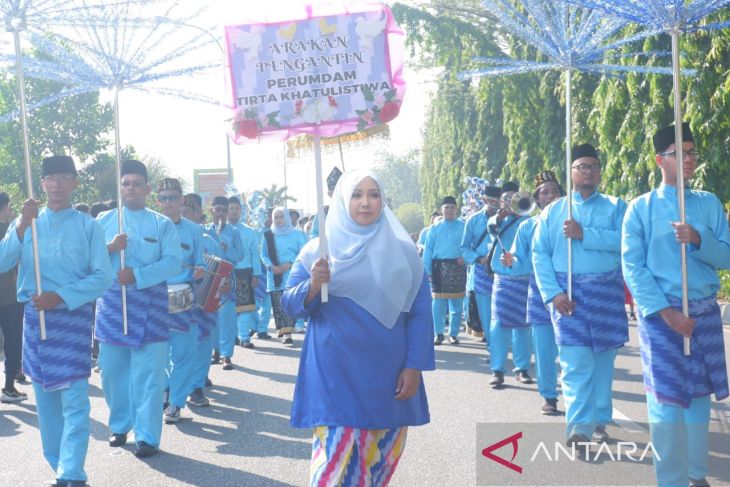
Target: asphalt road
pixel 244 438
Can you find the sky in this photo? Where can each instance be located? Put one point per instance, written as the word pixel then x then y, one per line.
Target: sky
pixel 187 135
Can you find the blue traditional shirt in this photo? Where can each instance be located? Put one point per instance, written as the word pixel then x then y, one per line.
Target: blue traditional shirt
pixel 153 247
pixel 229 241
pixel 287 249
pixel 73 258
pixel 475 227
pixel 250 241
pixel 350 362
pixel 651 254
pixel 600 217
pixel 191 246
pixel 443 242
pixel 521 249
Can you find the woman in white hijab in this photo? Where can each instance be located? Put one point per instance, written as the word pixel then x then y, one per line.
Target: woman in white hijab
pixel 359 383
pixel 281 245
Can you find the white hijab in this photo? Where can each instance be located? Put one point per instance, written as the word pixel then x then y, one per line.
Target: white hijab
pixel 377 265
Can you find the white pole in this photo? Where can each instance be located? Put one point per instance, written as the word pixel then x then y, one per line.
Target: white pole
pixel 679 148
pixel 568 179
pixel 320 208
pixel 120 206
pixel 28 175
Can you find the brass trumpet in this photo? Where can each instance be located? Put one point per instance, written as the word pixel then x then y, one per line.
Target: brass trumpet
pixel 522 204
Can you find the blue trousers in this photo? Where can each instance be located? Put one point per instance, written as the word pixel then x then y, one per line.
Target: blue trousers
pixel 499 343
pixel 133 381
pixel 263 309
pixel 63 418
pixel 587 378
pixel 484 306
pixel 546 353
pixel 182 363
pixel 202 363
pixel 227 328
pixel 246 322
pixel 439 310
pixel 681 439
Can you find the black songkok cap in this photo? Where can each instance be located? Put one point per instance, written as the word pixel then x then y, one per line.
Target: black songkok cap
pixel 58 165
pixel 220 200
pixel 193 200
pixel 169 184
pixel 510 186
pixel 665 137
pixel 448 200
pixel 545 177
pixel 132 166
pixel 333 177
pixel 583 150
pixel 493 192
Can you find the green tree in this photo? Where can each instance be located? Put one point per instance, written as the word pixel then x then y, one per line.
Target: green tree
pixel 399 175
pixel 277 196
pixel 410 216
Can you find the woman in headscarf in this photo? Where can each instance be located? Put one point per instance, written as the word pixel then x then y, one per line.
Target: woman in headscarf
pixel 359 383
pixel 280 247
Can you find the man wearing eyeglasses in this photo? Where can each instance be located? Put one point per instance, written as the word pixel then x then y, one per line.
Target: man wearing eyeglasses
pixel 183 322
pixel 133 365
pixel 591 325
pixel 678 387
pixel 75 270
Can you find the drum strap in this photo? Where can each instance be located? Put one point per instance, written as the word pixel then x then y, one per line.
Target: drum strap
pixel 273 255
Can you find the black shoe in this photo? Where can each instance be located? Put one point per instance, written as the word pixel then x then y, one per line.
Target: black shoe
pixel 197 398
pixel 12 395
pixel 263 336
pixel 580 443
pixel 698 483
pixel 287 340
pixel 550 408
pixel 600 435
pixel 497 380
pixel 247 344
pixel 238 341
pixel 523 377
pixel 483 339
pixel 251 334
pixel 215 359
pixel 438 340
pixel 20 377
pixel 208 382
pixel 117 439
pixel 144 450
pixel 227 364
pixel 453 340
pixel 68 483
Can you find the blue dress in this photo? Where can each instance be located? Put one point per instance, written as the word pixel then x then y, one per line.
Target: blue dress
pixel 350 362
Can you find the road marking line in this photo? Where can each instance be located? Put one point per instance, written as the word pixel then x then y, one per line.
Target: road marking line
pixel 625 422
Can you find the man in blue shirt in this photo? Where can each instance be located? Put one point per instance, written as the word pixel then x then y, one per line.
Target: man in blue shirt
pixel 475 244
pixel 678 387
pixel 509 296
pixel 591 325
pixel 75 270
pixel 229 242
pixel 133 364
pixel 183 322
pixel 442 257
pixel 247 273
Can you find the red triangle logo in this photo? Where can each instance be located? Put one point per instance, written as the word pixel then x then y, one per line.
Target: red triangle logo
pixel 488 452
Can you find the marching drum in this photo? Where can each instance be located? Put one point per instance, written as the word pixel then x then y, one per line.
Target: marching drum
pixel 180 297
pixel 207 294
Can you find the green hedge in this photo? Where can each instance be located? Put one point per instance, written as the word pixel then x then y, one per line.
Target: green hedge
pixel 724 285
